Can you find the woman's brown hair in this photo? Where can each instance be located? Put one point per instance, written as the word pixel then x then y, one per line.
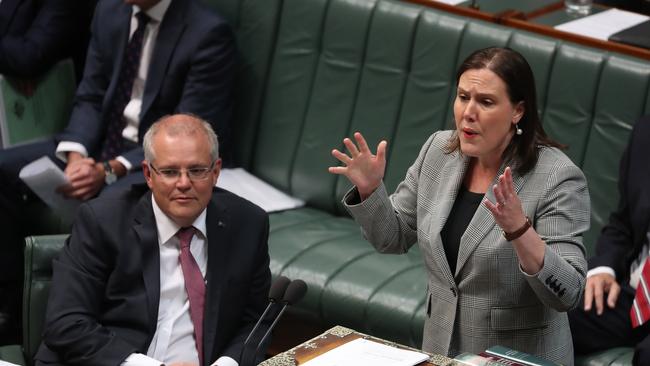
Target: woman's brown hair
pixel 516 73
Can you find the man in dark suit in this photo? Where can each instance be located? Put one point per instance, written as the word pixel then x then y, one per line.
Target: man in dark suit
pixel 118 292
pixel 35 34
pixel 621 253
pixel 146 59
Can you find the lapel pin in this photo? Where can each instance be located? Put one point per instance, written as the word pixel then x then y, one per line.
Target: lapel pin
pixel 221 224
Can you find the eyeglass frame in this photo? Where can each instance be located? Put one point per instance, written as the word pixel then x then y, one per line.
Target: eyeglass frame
pixel 179 172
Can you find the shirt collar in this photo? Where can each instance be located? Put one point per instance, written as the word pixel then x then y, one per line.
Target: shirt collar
pixel 156 12
pixel 167 228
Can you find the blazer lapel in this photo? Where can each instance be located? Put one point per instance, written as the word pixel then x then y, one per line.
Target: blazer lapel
pixel 171 28
pixel 453 173
pixel 219 237
pixel 145 228
pixel 482 222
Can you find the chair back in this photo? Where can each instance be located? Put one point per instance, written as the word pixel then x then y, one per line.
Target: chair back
pixel 39 252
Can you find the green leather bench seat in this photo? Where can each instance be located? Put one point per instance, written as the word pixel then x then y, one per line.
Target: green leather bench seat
pixel 314 71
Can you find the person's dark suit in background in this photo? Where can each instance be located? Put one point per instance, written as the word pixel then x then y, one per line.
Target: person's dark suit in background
pixel 114 282
pixel 621 249
pixel 186 66
pixel 35 34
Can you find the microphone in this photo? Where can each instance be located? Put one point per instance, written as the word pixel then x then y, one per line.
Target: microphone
pixel 276 294
pixel 295 292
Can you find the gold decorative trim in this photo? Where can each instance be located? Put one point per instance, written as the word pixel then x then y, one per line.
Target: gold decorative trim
pixel 340 331
pixel 282 359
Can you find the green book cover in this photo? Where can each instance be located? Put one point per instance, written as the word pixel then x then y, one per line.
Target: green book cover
pixel 519 356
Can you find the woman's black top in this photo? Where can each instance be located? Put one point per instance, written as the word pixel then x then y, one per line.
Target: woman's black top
pixel 459 218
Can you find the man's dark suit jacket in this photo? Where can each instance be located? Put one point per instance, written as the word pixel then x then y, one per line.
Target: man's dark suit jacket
pixel 622 238
pixel 191 71
pixel 103 302
pixel 34 34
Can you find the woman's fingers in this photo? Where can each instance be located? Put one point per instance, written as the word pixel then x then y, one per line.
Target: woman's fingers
pixel 354 152
pixel 363 145
pixel 343 158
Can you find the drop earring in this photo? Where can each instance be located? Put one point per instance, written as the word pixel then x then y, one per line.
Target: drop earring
pixel 518 130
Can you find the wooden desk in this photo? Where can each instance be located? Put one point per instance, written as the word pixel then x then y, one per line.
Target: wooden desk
pixel 536 20
pixel 333 338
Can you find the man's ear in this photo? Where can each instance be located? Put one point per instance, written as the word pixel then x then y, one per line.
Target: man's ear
pixel 146 170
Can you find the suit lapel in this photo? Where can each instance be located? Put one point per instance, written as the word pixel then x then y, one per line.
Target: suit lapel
pixel 451 178
pixel 482 222
pixel 217 223
pixel 145 228
pixel 171 28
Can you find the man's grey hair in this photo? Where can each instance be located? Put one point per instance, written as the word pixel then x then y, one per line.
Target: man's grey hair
pixel 182 124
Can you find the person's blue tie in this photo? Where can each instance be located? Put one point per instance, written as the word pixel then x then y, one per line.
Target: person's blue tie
pixel 112 145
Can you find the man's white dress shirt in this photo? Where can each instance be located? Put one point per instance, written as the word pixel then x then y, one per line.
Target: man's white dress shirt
pixel 174 337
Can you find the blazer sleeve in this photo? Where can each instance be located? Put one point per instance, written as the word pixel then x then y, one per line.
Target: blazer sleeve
pixel 561 217
pixel 85 126
pixel 390 223
pixel 55 29
pixel 79 279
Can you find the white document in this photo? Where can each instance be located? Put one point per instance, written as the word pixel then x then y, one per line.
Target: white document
pixel 362 352
pixel 5 363
pixel 250 187
pixel 602 25
pixel 44 177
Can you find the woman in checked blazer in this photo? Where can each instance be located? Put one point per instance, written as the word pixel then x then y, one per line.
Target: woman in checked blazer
pixel 497 210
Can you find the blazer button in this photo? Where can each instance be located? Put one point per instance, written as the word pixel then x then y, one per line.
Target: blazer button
pixel 453 291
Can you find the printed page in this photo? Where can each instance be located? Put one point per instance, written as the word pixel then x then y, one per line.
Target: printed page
pixel 602 25
pixel 248 186
pixel 363 352
pixel 44 177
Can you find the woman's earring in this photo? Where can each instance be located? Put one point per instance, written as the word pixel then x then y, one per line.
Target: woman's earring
pixel 518 130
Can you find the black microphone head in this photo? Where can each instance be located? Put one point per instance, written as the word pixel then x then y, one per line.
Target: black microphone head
pixel 278 288
pixel 295 292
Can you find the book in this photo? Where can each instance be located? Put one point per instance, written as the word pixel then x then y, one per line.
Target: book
pixel 500 360
pixel 521 357
pixel 471 359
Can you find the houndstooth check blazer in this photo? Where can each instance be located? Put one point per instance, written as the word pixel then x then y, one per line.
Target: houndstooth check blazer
pixel 489 300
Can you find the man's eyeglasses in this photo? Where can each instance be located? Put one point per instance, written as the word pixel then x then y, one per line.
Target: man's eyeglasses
pixel 172 174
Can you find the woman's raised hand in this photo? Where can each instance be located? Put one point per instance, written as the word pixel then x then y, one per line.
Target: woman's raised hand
pixel 361 167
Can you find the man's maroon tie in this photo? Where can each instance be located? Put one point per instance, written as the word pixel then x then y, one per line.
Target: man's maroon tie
pixel 640 311
pixel 194 285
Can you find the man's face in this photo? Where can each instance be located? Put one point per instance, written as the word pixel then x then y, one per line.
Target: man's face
pixel 143 4
pixel 181 198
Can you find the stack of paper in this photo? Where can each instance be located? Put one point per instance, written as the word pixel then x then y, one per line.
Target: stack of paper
pixel 250 187
pixel 602 25
pixel 362 352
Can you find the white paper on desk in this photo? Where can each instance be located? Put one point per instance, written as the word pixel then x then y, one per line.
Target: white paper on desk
pixel 362 352
pixel 44 177
pixel 602 25
pixel 252 188
pixel 5 363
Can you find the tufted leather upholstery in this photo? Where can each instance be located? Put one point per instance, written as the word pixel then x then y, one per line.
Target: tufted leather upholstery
pixel 315 71
pixel 39 252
